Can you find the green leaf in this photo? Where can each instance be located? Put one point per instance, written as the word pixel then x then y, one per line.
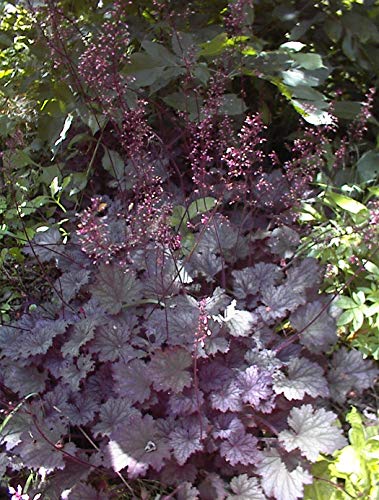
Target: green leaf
pixel 113 163
pixel 214 47
pixel 345 318
pixel 159 53
pixel 346 303
pixel 232 105
pixel 368 166
pixel 179 216
pixel 201 206
pixel 346 203
pixel 309 61
pixel 3 204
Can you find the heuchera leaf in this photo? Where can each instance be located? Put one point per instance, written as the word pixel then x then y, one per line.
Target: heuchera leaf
pixel 251 280
pixel 349 371
pixel 313 432
pixel 186 403
pixel 239 323
pixel 303 377
pixel 304 275
pixel 187 492
pixel 227 399
pixel 83 332
pixel 115 288
pixel 82 491
pixel 169 370
pixel 284 241
pixel 113 414
pixel 46 245
pixel 278 300
pixel 241 448
pixel 278 481
pixel 23 380
pixel 41 336
pixel 225 425
pixel 112 340
pixel 186 440
pixel 133 380
pixel 245 488
pixel 69 284
pixel 138 444
pixel 319 334
pixel 255 385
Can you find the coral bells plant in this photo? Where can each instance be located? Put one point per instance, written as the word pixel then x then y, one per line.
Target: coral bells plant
pixel 184 342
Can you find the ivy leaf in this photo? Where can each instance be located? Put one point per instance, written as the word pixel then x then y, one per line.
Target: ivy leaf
pixel 240 448
pixel 317 329
pixel 115 288
pixel 313 432
pixel 279 481
pixel 169 370
pixel 245 488
pixel 304 377
pixel 349 371
pixel 138 444
pixel 133 380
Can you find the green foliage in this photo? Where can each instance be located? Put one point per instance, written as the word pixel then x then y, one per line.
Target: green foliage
pixel 353 472
pixel 343 238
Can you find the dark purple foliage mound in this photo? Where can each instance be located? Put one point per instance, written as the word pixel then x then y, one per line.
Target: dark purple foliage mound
pixel 211 372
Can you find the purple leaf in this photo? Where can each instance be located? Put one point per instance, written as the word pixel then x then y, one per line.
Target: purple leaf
pixel 284 241
pixel 349 371
pixel 214 376
pixel 186 440
pixel 304 276
pixel 227 398
pixel 186 403
pixel 83 332
pixel 278 301
pixel 313 432
pixel 280 482
pixel 23 380
pixel 115 288
pixel 138 444
pixel 251 280
pixel 240 448
pixel 113 414
pixel 317 329
pixel 187 492
pixel 169 370
pixel 69 284
pixel 255 385
pixel 82 491
pixel 112 340
pixel 245 488
pixel 133 380
pixel 239 323
pixel 46 245
pixel 225 425
pixel 304 377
